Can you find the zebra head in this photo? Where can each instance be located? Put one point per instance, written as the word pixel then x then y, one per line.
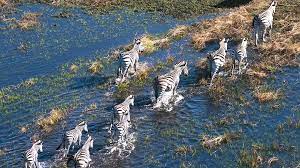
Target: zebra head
pixel 130 100
pixel 138 45
pixel 90 140
pixel 83 125
pixel 273 5
pixel 38 145
pixel 244 42
pixel 183 67
pixel 223 44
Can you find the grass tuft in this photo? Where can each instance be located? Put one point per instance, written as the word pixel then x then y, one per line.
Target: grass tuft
pixel 266 95
pixel 184 150
pixel 95 67
pixel 28 21
pixel 74 68
pixel 213 142
pixel 55 116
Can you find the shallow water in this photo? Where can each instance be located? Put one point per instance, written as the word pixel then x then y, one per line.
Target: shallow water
pixel 59 42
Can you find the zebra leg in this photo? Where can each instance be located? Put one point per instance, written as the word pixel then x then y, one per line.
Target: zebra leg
pixel 213 76
pixel 270 31
pixel 26 165
pixel 264 34
pixel 67 150
pixel 79 140
pixel 240 62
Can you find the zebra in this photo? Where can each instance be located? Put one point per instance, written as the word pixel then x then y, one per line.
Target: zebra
pixel 129 60
pixel 31 155
pixel 169 82
pixel 264 21
pixel 239 54
pixel 72 137
pixel 217 59
pixel 121 118
pixel 82 157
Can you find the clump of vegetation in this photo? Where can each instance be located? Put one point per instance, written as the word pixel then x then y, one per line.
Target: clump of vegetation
pixel 184 150
pixel 74 68
pixel 213 142
pixel 91 107
pixel 28 21
pixel 55 116
pixel 266 95
pixel 30 82
pixel 250 159
pixel 178 32
pixel 95 67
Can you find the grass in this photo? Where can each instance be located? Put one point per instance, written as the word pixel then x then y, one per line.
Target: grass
pixel 28 21
pixel 56 115
pixel 213 142
pixel 176 8
pixel 250 159
pixel 30 82
pixel 283 50
pixel 74 68
pixel 184 150
pixel 3 3
pixel 266 95
pixel 95 67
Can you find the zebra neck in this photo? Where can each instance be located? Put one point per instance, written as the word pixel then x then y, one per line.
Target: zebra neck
pixel 79 128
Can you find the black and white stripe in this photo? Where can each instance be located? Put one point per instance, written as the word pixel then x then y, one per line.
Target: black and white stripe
pixel 217 59
pixel 121 119
pixel 83 158
pixel 128 61
pixel 31 155
pixel 72 137
pixel 170 81
pixel 264 21
pixel 239 54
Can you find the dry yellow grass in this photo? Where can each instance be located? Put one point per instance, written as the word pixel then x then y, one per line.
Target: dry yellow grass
pixel 54 117
pixel 3 3
pixel 282 50
pixel 184 150
pixel 266 96
pixel 28 21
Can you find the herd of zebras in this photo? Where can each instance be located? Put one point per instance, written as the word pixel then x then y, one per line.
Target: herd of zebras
pixel 164 86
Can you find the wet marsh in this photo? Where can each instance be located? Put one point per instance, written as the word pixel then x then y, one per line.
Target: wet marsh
pixel 61 71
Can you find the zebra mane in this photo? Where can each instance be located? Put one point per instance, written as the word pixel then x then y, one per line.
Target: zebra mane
pixel 39 142
pixel 82 123
pixel 180 64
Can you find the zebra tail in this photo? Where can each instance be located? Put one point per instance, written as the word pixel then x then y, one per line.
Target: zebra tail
pixel 60 145
pixel 155 85
pixel 255 20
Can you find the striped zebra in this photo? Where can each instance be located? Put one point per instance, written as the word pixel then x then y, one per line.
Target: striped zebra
pixel 217 59
pixel 264 21
pixel 121 118
pixel 239 54
pixel 170 81
pixel 82 157
pixel 129 60
pixel 72 137
pixel 31 155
